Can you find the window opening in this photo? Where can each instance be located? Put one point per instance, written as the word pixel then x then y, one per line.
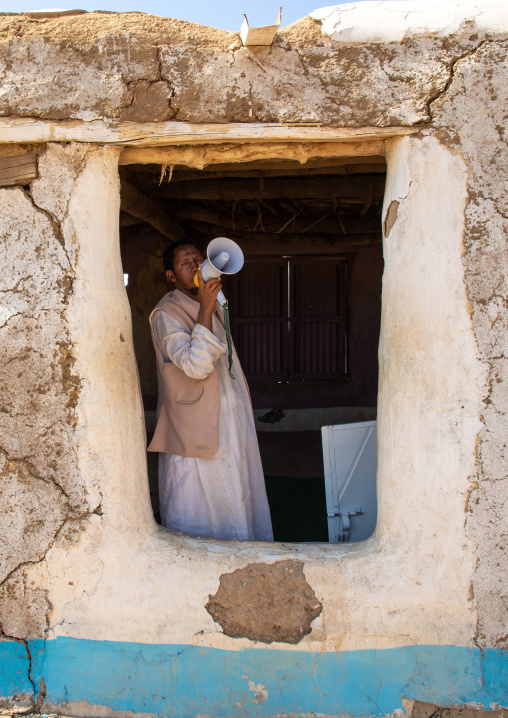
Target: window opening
pixel 305 308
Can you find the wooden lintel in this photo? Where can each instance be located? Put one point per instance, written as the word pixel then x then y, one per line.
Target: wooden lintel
pixel 139 205
pixel 342 166
pixel 201 156
pixel 152 134
pixel 18 169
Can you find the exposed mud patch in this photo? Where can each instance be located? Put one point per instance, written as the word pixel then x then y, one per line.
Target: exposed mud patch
pixel 265 602
pixel 391 217
pixel 90 28
pixel 429 710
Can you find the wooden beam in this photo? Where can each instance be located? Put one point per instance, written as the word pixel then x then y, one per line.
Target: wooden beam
pixel 213 224
pixel 152 134
pixel 18 170
pixel 310 239
pixel 359 163
pixel 143 177
pixel 201 156
pixel 304 245
pixel 313 164
pixel 128 220
pixel 353 187
pixel 139 205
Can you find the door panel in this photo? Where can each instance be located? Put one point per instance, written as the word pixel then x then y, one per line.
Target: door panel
pixel 350 462
pixel 289 317
pixel 259 318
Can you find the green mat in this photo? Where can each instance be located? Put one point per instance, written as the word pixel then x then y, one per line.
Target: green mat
pixel 298 508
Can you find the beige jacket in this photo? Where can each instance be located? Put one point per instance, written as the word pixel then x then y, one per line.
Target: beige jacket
pixel 188 419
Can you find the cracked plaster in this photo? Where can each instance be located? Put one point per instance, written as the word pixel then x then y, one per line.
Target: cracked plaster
pixel 168 578
pixel 40 479
pixel 51 453
pixel 389 21
pixel 98 66
pixel 350 86
pixel 471 118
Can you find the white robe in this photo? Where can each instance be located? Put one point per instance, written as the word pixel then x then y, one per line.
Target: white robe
pixel 223 497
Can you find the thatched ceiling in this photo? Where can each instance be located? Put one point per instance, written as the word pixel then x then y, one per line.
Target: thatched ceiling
pixel 322 202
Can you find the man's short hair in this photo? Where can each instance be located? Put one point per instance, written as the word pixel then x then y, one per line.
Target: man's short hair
pixel 168 256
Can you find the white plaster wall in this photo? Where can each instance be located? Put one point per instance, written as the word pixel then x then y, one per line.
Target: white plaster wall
pixel 120 577
pixel 110 423
pixel 397 20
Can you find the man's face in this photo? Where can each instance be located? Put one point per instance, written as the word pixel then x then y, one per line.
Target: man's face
pixel 187 261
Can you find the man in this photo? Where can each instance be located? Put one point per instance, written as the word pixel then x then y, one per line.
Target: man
pixel 211 481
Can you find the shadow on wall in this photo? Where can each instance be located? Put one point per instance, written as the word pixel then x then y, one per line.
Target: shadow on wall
pixel 142 261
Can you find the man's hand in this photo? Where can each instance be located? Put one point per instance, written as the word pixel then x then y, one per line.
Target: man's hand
pixel 207 296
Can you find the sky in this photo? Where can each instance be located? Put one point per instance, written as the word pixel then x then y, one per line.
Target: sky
pixel 224 14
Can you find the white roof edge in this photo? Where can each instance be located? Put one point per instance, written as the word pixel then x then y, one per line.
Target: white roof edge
pixel 395 20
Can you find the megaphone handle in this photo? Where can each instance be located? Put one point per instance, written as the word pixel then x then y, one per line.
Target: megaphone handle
pixel 221 298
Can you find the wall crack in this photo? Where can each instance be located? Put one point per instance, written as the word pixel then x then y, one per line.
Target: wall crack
pixel 453 68
pixel 55 225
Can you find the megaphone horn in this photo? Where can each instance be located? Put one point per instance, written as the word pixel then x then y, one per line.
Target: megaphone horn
pixel 223 257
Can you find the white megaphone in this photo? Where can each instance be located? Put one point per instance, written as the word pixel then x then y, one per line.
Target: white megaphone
pixel 223 257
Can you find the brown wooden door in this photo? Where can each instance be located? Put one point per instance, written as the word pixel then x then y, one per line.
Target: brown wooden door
pixel 317 332
pixel 288 317
pixel 259 318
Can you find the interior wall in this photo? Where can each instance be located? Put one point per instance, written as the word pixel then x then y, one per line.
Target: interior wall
pixel 364 326
pixel 142 261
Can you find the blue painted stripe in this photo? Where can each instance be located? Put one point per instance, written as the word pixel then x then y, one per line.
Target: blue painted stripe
pixel 180 681
pixel 14 666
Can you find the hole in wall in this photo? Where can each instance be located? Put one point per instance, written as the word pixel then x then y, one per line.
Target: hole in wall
pixel 305 309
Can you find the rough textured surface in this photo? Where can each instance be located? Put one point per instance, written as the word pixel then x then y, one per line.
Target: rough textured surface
pixel 80 554
pixel 91 66
pixel 33 507
pixel 41 489
pixel 472 120
pixel 146 290
pixel 141 68
pixel 23 609
pixel 429 710
pixel 265 602
pixel 389 21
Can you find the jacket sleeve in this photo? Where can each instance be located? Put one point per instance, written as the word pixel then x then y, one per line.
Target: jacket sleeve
pixel 195 353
